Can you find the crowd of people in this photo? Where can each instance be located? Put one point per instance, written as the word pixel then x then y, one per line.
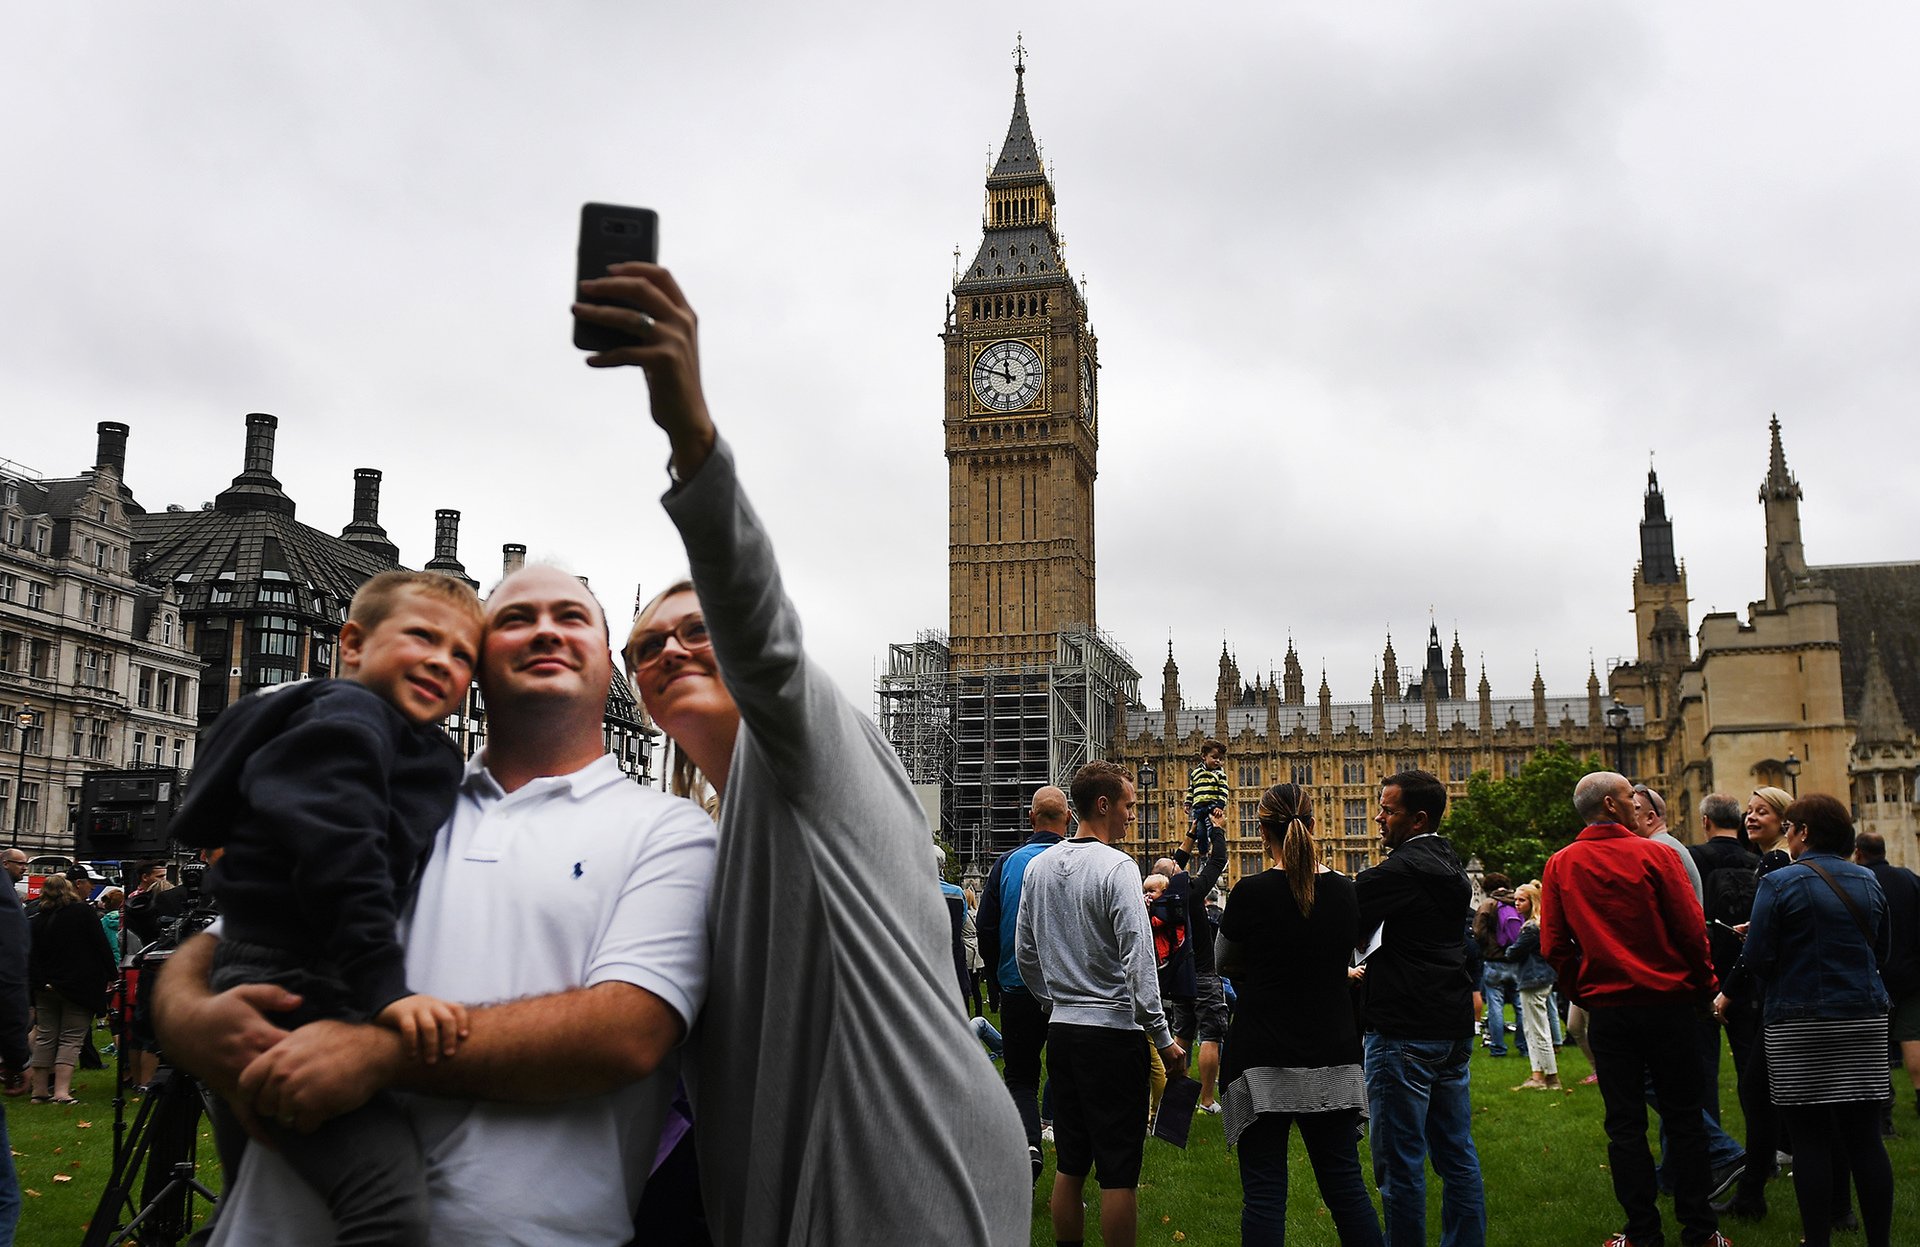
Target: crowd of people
pixel 738 1012
pixel 1356 1003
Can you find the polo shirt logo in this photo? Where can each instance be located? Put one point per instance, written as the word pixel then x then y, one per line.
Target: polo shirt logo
pixel 577 872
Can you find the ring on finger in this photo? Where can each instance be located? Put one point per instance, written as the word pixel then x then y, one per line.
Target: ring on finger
pixel 646 322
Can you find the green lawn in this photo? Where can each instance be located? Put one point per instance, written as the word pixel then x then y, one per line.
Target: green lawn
pixel 1543 1157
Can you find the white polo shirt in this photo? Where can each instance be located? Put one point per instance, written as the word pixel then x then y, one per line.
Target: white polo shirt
pixel 570 881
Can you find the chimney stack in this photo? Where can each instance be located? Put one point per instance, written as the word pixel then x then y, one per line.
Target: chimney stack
pixel 365 530
pixel 260 434
pixel 366 495
pixel 113 447
pixel 446 547
pixel 513 557
pixel 255 489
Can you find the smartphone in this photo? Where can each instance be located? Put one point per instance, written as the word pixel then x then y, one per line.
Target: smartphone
pixel 1728 926
pixel 611 234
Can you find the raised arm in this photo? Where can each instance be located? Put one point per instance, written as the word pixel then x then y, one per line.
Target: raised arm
pixel 791 707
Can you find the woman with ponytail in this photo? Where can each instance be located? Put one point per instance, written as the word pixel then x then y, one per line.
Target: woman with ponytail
pixel 1293 1052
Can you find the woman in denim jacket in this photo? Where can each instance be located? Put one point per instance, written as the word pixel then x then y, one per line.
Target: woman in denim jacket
pixel 1818 931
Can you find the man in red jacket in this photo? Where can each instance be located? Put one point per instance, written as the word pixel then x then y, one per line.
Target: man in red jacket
pixel 1623 931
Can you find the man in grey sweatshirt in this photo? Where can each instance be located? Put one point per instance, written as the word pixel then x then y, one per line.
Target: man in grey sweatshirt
pixel 1085 950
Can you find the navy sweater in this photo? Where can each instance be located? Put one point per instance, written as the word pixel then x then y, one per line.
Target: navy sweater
pixel 326 800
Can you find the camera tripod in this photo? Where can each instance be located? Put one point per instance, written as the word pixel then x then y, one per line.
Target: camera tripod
pixel 159 1155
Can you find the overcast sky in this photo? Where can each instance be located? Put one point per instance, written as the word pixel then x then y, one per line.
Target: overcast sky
pixel 1393 300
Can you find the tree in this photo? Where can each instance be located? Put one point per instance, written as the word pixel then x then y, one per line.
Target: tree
pixel 1513 825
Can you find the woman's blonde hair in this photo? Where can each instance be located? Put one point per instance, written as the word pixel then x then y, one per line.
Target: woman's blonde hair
pixel 683 777
pixel 1778 798
pixel 1286 824
pixel 1530 890
pixel 58 892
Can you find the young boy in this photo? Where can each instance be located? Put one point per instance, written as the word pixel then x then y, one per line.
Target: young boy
pixel 1207 791
pixel 326 795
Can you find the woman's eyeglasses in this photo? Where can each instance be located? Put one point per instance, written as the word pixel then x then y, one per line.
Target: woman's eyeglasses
pixel 691 632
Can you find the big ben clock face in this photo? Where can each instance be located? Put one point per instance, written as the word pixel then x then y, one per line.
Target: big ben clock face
pixel 1086 391
pixel 1007 376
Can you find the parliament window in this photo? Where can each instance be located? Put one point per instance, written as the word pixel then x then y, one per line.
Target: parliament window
pixel 1512 763
pixel 1353 771
pixel 26 811
pixel 1459 767
pixel 1249 818
pixel 1249 774
pixel 1353 817
pixel 1302 773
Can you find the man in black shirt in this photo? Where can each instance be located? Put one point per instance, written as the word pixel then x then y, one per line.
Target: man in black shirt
pixel 1420 1020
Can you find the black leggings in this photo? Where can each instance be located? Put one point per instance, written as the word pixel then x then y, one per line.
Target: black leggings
pixel 1822 1133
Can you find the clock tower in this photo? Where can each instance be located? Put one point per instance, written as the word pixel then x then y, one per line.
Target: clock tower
pixel 1021 423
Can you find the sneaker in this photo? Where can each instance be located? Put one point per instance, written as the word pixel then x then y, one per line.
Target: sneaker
pixel 1046 1133
pixel 1590 1080
pixel 1211 1110
pixel 1724 1177
pixel 1037 1161
pixel 1716 1239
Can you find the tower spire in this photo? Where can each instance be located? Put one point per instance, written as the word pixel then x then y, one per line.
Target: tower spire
pixel 1780 496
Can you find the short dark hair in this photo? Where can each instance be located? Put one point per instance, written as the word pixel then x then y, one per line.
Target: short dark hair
pixel 1493 881
pixel 1094 781
pixel 1210 745
pixel 1422 793
pixel 1870 844
pixel 1829 826
pixel 1722 811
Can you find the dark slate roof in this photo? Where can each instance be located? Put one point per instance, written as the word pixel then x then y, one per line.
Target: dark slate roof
pixel 242 546
pixel 1020 154
pixel 1003 253
pixel 1879 603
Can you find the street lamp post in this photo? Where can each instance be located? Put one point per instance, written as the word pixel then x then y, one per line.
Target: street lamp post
pixel 1146 779
pixel 25 721
pixel 1618 717
pixel 1792 768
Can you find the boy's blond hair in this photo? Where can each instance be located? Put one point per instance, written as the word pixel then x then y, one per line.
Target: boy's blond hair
pixel 379 597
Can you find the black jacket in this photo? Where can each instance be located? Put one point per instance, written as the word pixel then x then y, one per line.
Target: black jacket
pixel 1901 970
pixel 1199 929
pixel 14 998
pixel 1417 984
pixel 71 955
pixel 326 799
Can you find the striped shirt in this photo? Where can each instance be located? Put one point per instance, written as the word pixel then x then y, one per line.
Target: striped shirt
pixel 1206 785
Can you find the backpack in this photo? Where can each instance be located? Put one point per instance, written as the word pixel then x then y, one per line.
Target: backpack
pixel 1486 928
pixel 1729 893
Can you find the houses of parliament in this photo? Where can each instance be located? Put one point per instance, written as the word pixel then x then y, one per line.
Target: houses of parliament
pixel 1814 689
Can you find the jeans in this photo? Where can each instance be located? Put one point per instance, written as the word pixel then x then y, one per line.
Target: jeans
pixel 1333 1148
pixel 1632 1044
pixel 1417 1094
pixel 9 1187
pixel 1023 1035
pixel 984 1032
pixel 1498 989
